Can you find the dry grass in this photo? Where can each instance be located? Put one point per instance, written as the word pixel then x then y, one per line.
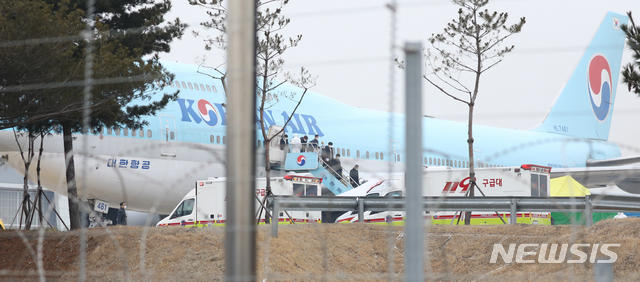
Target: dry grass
pixel 327 252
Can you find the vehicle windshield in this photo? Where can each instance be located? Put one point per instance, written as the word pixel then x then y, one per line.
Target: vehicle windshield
pixel 185 208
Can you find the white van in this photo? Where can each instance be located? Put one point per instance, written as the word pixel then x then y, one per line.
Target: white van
pixel 206 204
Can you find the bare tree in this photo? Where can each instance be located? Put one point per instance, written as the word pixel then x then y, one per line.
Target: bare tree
pixel 469 46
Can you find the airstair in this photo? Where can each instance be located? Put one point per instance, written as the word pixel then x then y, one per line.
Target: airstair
pixel 305 162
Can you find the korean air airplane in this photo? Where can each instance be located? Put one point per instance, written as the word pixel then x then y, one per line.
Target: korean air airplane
pixel 157 165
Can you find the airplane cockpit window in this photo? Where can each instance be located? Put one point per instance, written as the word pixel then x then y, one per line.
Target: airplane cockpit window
pixel 185 208
pixel 373 195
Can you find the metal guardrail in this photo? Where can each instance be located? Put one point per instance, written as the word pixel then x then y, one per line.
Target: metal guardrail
pixel 587 204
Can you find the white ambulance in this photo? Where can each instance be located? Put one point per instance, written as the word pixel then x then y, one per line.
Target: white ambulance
pixel 205 205
pixel 526 180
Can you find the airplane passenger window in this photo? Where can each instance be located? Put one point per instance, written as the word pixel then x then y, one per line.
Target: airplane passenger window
pixel 117 131
pixel 141 133
pixel 125 131
pixel 398 157
pixel 357 153
pixel 438 161
pixel 196 86
pixel 201 87
pixel 224 139
pixel 190 86
pixel 173 135
pixel 208 89
pixel 381 156
pixel 214 88
pixel 218 139
pixel 184 85
pixel 348 152
pixel 109 131
pixel 92 130
pixel 133 132
pixel 377 155
pixel 148 133
pixel 101 130
pixel 211 138
pixel 367 154
pixel 258 145
pixel 178 84
pixel 425 160
pixel 343 152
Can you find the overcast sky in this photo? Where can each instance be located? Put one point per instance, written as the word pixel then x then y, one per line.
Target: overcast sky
pixel 346 43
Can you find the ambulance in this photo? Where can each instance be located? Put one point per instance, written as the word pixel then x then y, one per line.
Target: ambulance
pixel 205 205
pixel 526 180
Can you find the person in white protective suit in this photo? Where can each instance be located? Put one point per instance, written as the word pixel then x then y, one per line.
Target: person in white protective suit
pixel 295 143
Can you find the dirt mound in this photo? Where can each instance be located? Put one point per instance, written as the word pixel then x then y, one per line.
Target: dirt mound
pixel 315 252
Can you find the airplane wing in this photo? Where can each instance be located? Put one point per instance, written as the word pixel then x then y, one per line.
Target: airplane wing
pixel 626 177
pixel 614 162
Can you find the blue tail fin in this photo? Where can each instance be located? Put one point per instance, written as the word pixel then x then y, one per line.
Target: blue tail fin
pixel 585 105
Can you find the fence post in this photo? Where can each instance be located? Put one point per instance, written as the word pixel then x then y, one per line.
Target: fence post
pixel 603 271
pixel 588 211
pixel 275 218
pixel 360 210
pixel 513 217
